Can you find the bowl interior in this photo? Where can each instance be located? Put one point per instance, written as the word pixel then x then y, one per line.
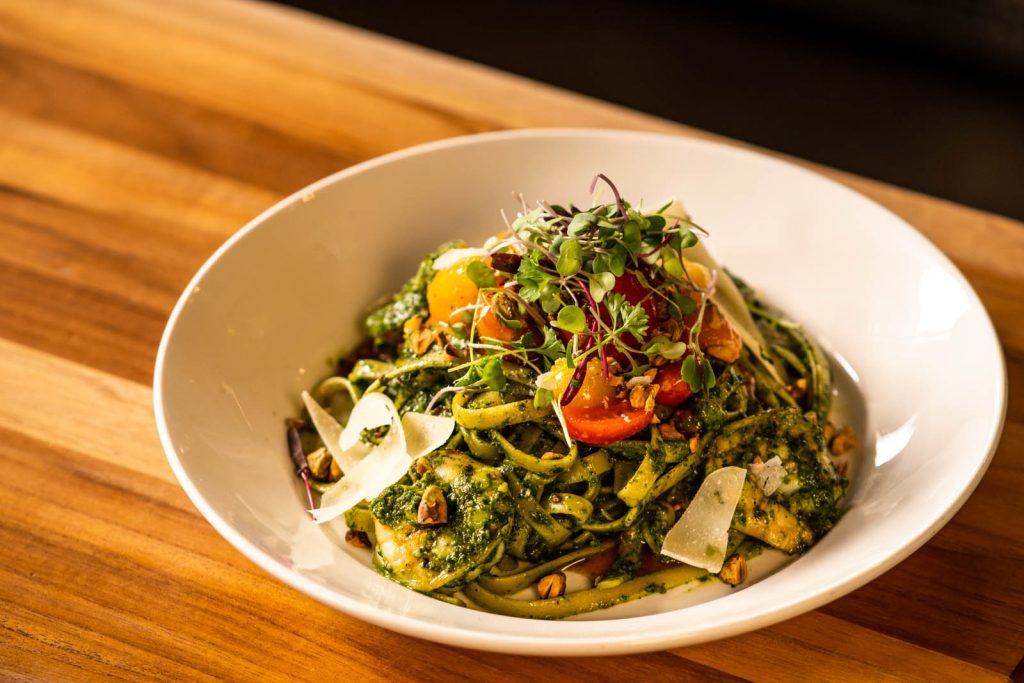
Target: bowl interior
pixel 267 315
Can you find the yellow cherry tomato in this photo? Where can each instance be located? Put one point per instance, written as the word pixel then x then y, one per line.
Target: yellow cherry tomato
pixel 596 389
pixel 450 290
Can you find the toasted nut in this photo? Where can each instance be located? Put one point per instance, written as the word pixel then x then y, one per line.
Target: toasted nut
pixel 650 373
pixel 718 338
pixel 734 571
pixel 658 361
pixel 551 586
pixel 357 538
pixel 829 430
pixel 674 329
pixel 798 389
pixel 843 442
pixel 670 433
pixel 652 393
pixel 454 352
pixel 335 473
pixel 551 455
pixel 412 325
pixel 433 507
pixel 423 466
pixel 505 306
pixel 695 443
pixel 320 463
pixel 420 341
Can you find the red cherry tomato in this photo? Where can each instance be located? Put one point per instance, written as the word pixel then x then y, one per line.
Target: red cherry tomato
pixel 673 389
pixel 600 425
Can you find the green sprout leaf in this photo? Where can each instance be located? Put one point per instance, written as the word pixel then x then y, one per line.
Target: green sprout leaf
pixel 631 236
pixel 665 347
pixel 481 274
pixel 572 319
pixel 601 284
pixel 552 348
pixel 543 397
pixel 702 377
pixel 684 304
pixel 531 277
pixel 617 260
pixel 570 258
pixel 582 222
pixel 672 264
pixel 492 373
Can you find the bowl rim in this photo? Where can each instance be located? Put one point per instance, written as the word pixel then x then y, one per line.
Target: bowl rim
pixel 564 645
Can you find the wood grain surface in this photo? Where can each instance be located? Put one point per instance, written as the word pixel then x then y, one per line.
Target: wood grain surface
pixel 134 138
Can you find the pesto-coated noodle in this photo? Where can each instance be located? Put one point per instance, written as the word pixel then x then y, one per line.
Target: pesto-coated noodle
pixel 597 366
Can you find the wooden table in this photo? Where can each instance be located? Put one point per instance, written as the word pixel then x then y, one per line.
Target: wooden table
pixel 134 138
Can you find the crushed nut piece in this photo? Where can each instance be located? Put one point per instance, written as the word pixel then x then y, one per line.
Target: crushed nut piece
pixel 695 443
pixel 652 392
pixel 454 352
pixel 420 341
pixel 650 374
pixel 798 389
pixel 718 338
pixel 843 442
pixel 670 433
pixel 505 306
pixel 828 431
pixel 734 571
pixel 357 538
pixel 433 508
pixel 637 396
pixel 551 586
pixel 674 329
pixel 423 466
pixel 658 361
pixel 335 473
pixel 320 463
pixel 551 455
pixel 413 325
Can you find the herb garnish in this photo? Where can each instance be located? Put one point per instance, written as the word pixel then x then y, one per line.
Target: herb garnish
pixel 559 267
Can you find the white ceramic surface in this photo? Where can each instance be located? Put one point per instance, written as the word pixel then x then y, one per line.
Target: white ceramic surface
pixel 918 359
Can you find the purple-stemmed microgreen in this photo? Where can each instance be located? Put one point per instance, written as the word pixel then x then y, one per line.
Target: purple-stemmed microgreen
pixel 299 459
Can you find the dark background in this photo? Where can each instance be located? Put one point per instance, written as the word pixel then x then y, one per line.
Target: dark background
pixel 926 95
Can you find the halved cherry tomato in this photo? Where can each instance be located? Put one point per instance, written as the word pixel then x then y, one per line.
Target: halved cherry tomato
pixel 451 289
pixel 489 325
pixel 596 415
pixel 673 389
pixel 595 390
pixel 602 425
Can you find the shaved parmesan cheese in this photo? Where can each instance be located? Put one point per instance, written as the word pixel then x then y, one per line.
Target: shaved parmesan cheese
pixel 639 381
pixel 372 411
pixel 701 535
pixel 330 433
pixel 453 257
pixel 727 295
pixel 387 463
pixel 370 469
pixel 549 381
pixel 769 474
pixel 425 433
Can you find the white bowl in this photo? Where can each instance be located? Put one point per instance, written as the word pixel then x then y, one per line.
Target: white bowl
pixel 921 369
